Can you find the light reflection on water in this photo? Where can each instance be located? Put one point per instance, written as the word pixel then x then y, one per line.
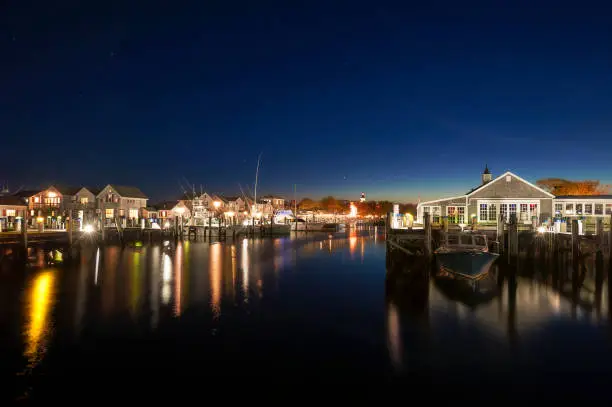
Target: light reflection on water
pixel 330 286
pixel 39 303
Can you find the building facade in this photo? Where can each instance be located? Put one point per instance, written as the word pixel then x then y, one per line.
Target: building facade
pixel 121 205
pixel 505 196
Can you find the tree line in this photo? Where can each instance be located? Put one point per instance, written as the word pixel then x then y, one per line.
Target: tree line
pixel 560 186
pixel 330 204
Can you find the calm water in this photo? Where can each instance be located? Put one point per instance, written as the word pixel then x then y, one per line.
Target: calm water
pixel 296 311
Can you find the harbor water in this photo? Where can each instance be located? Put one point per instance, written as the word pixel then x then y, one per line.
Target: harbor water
pixel 313 313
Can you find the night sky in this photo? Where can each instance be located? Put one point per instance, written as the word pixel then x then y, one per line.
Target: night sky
pixel 399 100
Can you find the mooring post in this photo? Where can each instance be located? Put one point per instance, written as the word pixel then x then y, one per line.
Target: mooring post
pixel 599 230
pixel 24 230
pixel 610 238
pixel 500 233
pixel 575 244
pixel 512 239
pixel 69 226
pixel 427 226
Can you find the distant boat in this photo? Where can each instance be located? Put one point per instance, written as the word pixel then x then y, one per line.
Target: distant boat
pixel 464 255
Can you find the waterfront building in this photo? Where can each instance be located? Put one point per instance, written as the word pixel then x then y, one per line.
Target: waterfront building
pixel 506 195
pixel 52 205
pixel 277 202
pixel 12 212
pixel 123 204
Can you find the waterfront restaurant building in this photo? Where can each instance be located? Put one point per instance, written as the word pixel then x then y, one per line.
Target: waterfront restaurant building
pixel 505 195
pixel 510 194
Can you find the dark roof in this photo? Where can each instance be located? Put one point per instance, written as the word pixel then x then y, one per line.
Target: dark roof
pixel 129 192
pixel 272 197
pixel 94 190
pixel 12 200
pixel 232 198
pixel 167 205
pixel 219 197
pixel 584 197
pixel 66 189
pixel 26 193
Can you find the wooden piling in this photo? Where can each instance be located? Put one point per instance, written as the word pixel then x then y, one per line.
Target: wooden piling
pixel 575 244
pixel 512 240
pixel 500 233
pixel 24 231
pixel 427 226
pixel 599 230
pixel 610 239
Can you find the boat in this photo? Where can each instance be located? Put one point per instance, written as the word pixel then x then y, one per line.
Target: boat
pixel 464 255
pixel 472 293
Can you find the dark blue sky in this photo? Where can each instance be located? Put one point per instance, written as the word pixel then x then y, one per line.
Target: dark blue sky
pixel 396 99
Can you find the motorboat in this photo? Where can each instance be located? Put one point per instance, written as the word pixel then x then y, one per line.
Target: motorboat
pixel 464 255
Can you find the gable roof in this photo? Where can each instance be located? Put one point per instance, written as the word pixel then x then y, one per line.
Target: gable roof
pixel 481 187
pixel 94 190
pixel 26 193
pixel 129 192
pixel 66 189
pixel 12 201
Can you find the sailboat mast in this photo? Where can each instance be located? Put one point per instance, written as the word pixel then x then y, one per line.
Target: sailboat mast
pixel 256 176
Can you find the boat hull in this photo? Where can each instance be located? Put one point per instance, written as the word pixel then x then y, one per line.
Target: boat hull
pixel 468 264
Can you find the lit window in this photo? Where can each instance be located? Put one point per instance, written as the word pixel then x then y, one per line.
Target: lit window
pixel 10 212
pixel 36 199
pixel 484 212
pixel 133 213
pixel 110 213
pixel 84 200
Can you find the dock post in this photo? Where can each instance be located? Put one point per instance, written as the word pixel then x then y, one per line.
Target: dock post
pixel 427 226
pixel 513 239
pixel 24 231
pixel 69 226
pixel 575 245
pixel 387 223
pixel 500 233
pixel 599 230
pixel 610 238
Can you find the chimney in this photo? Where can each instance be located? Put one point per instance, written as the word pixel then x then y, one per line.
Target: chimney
pixel 486 175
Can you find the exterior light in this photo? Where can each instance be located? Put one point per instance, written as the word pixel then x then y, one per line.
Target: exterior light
pixel 230 214
pixel 217 204
pixel 51 194
pixel 541 229
pixel 180 210
pixel 40 219
pixel 88 229
pixel 246 213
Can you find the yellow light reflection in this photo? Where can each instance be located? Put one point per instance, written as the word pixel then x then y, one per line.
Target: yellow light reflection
pixel 352 245
pixel 166 279
pixel 40 303
pixel 245 269
pixel 215 278
pixel 178 268
pixel 135 289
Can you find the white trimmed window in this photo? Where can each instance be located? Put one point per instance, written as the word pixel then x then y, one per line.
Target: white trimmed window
pixel 558 209
pixel 598 209
pixel 492 212
pixel 484 212
pixel 588 209
pixel 569 208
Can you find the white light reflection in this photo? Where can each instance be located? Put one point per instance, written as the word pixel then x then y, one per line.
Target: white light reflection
pixel 166 279
pixel 394 337
pixel 97 266
pixel 245 269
